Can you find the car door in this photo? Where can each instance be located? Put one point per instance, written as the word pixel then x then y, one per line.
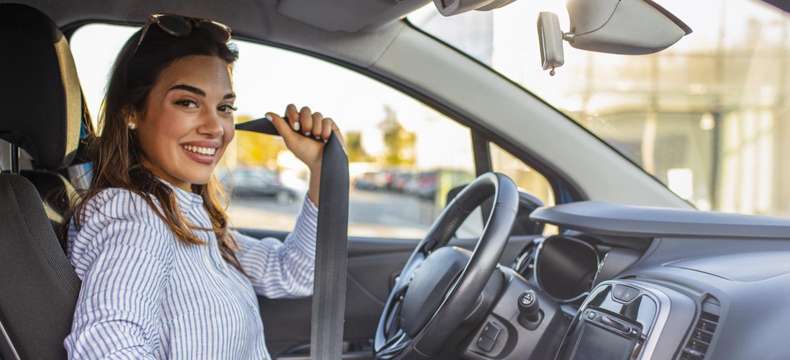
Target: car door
pixel 415 154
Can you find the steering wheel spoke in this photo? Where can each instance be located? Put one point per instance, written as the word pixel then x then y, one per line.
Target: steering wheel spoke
pixel 403 279
pixel 395 345
pixel 393 319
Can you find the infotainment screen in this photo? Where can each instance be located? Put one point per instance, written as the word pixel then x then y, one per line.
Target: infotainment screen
pixel 597 343
pixel 612 325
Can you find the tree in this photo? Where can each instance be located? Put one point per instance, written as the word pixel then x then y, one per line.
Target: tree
pixel 356 152
pixel 255 149
pixel 399 143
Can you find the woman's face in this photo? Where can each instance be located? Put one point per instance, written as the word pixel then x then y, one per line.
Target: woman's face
pixel 188 120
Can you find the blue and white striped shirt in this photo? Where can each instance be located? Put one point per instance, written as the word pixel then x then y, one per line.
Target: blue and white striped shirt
pixel 147 295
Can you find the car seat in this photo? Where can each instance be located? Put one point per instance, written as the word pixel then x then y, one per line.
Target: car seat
pixel 42 113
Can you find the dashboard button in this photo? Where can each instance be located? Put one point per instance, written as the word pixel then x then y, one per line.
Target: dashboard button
pixel 488 337
pixel 491 331
pixel 624 293
pixel 485 343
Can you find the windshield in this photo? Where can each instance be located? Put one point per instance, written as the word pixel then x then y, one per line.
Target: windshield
pixel 707 116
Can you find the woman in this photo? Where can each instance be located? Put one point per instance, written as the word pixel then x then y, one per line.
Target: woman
pixel 163 276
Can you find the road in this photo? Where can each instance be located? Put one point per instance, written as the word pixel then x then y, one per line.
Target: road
pixel 371 213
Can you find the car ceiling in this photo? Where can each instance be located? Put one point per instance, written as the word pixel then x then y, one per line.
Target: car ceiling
pixel 251 17
pixel 355 31
pixel 307 24
pixel 246 16
pixel 782 4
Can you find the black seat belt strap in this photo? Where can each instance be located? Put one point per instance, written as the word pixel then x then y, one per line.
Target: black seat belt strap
pixel 331 262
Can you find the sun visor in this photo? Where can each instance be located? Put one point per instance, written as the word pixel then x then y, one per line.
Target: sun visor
pixel 347 15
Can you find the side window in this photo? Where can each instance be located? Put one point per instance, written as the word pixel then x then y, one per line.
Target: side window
pixel 404 156
pixel 527 178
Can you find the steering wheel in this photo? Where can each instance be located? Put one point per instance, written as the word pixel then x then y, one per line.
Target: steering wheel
pixel 439 285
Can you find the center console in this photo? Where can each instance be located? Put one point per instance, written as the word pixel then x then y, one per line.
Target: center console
pixel 620 320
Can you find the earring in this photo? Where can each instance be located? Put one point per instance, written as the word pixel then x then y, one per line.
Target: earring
pixel 132 126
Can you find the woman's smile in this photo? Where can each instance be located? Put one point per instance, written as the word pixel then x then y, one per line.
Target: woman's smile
pixel 203 152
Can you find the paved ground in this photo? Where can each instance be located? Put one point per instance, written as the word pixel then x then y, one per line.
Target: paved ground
pixel 379 214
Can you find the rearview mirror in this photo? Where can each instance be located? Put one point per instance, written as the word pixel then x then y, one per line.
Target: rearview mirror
pixel 550 37
pixel 630 27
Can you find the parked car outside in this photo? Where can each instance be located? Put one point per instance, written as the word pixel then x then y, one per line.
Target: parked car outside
pixel 260 182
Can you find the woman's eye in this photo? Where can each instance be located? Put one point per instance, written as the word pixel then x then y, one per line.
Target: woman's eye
pixel 229 109
pixel 187 103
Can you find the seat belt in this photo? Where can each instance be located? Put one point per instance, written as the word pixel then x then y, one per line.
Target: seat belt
pixel 331 256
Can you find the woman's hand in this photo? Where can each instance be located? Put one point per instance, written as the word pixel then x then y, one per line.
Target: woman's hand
pixel 305 134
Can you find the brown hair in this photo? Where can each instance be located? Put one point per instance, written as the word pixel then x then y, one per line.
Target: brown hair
pixel 116 154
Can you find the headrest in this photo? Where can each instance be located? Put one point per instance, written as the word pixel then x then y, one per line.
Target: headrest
pixel 40 93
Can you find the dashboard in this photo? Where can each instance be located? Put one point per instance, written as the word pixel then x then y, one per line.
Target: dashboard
pixel 626 283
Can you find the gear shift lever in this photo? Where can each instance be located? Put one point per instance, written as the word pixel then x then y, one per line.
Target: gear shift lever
pixel 529 309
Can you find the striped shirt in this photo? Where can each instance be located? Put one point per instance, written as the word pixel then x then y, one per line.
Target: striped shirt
pixel 147 295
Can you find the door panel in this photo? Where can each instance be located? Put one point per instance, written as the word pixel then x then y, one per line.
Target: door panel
pixel 372 264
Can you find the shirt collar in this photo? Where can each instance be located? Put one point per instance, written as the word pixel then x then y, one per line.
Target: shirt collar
pixel 183 197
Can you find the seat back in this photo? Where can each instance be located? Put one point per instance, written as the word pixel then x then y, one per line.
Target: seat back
pixel 36 59
pixel 39 286
pixel 43 108
pixel 57 194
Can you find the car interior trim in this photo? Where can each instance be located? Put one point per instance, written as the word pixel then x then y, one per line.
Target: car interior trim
pixel 602 218
pixel 537 272
pixel 661 299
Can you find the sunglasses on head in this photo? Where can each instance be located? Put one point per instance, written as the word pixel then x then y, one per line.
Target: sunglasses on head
pixel 180 26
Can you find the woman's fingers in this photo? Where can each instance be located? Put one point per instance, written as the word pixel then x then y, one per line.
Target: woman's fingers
pixel 281 125
pixel 327 129
pixel 306 120
pixel 314 125
pixel 293 117
pixel 318 126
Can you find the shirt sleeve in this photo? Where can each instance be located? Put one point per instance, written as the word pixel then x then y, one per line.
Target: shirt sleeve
pixel 282 269
pixel 124 259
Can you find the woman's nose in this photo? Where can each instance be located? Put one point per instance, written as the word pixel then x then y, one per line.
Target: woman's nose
pixel 211 125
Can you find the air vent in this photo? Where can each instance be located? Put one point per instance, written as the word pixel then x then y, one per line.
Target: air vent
pixel 702 335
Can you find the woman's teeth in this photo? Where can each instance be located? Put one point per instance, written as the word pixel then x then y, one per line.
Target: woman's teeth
pixel 200 150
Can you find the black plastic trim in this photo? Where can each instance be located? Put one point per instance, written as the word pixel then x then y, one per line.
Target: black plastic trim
pixel 603 218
